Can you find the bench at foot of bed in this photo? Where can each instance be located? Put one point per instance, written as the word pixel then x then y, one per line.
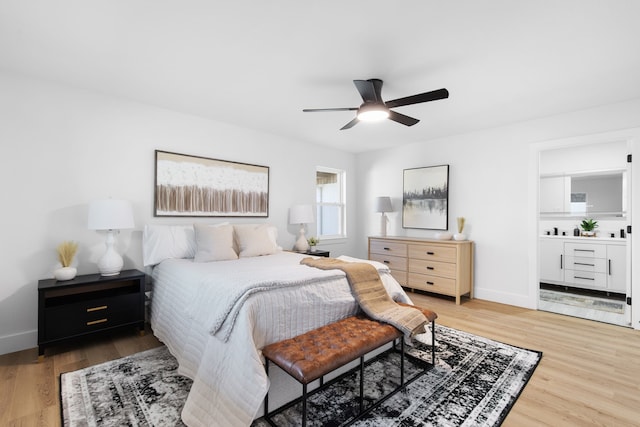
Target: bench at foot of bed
pixel 312 355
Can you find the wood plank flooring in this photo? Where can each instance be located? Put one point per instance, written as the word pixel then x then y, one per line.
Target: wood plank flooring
pixel 589 374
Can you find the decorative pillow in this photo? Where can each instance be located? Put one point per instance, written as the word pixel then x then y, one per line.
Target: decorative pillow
pixel 160 242
pixel 214 243
pixel 256 240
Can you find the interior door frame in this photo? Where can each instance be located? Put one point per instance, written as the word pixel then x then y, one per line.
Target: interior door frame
pixel 632 137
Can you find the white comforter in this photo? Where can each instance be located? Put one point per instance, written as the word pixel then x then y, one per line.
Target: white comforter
pixel 215 317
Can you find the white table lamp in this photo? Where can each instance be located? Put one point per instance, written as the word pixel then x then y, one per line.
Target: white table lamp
pixel 110 215
pixel 383 204
pixel 301 214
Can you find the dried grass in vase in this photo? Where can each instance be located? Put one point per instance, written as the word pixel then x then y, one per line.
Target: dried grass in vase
pixel 66 251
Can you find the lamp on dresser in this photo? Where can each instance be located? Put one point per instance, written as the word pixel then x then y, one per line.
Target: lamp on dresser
pixel 301 214
pixel 110 215
pixel 383 204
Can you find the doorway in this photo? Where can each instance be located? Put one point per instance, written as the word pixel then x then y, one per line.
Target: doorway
pixel 585 273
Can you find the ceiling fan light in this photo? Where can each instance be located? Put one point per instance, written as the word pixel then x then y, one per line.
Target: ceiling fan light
pixel 373 113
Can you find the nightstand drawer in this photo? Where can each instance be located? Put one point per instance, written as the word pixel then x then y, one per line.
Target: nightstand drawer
pixel 393 262
pixel 91 315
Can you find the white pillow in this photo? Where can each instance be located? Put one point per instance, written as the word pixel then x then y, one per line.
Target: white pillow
pixel 214 243
pixel 160 242
pixel 256 240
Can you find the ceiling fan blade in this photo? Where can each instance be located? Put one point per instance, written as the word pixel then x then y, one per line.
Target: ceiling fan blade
pixel 369 89
pixel 351 124
pixel 416 99
pixel 314 110
pixel 401 118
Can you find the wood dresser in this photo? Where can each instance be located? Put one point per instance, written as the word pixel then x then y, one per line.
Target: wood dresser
pixel 440 266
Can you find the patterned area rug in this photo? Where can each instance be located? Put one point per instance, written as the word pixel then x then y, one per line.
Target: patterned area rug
pixel 476 382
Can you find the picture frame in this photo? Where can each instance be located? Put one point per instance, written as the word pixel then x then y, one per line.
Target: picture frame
pixel 194 186
pixel 425 198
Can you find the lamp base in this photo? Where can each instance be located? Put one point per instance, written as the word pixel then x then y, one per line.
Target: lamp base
pixel 111 263
pixel 383 225
pixel 301 244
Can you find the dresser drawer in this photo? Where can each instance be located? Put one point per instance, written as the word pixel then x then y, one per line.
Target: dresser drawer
pixel 388 247
pixel 585 279
pixel 585 250
pixel 91 315
pixel 597 265
pixel 434 268
pixel 433 252
pixel 440 285
pixel 400 276
pixel 393 262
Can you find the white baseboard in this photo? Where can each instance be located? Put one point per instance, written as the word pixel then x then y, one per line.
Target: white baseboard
pixel 18 342
pixel 518 300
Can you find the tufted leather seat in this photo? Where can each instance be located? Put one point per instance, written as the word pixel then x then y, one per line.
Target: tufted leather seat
pixel 309 356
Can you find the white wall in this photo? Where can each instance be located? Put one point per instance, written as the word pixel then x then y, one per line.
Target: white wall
pixel 64 147
pixel 493 179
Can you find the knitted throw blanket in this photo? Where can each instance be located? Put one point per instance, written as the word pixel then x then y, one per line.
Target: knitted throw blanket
pixel 372 296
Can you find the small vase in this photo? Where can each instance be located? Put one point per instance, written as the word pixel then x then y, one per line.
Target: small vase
pixel 65 273
pixel 313 248
pixel 459 236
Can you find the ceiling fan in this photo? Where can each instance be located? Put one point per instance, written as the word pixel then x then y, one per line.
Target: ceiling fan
pixel 374 108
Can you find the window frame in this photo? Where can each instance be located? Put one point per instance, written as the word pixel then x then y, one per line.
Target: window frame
pixel 341 205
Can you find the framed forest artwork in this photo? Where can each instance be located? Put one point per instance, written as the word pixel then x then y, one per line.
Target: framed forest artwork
pixel 425 198
pixel 188 185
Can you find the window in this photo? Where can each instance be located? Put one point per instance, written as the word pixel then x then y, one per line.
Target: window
pixel 331 203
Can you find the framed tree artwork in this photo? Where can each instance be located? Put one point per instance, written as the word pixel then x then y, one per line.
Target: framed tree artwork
pixel 198 186
pixel 425 198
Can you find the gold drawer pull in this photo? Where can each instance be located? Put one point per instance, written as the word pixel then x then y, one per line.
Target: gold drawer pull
pixel 95 322
pixel 102 307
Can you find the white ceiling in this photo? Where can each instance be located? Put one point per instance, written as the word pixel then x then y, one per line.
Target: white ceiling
pixel 258 63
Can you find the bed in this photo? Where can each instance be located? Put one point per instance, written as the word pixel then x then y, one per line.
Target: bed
pixel 220 294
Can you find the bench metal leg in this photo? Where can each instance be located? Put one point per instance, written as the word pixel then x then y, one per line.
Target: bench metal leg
pixel 266 397
pixel 361 400
pixel 433 342
pixel 304 405
pixel 402 361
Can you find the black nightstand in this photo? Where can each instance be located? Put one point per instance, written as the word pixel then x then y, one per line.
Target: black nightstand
pixel 89 304
pixel 325 254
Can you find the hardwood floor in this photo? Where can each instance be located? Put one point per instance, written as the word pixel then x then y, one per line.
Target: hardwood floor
pixel 589 374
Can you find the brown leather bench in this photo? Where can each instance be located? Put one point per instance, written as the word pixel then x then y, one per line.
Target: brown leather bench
pixel 312 355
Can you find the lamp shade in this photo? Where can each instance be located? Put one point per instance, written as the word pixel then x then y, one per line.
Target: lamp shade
pixel 300 214
pixel 110 214
pixel 383 204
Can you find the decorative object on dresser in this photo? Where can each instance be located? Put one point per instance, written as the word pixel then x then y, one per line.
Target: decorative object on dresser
pixel 110 215
pixel 66 252
pixel 425 198
pixel 88 304
pixel 459 235
pixel 441 267
pixel 196 186
pixel 301 214
pixel 383 205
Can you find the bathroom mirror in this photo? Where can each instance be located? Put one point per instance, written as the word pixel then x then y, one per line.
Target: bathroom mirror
pixel 594 194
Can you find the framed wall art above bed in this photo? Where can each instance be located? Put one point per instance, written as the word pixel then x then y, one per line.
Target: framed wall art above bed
pixel 193 186
pixel 425 198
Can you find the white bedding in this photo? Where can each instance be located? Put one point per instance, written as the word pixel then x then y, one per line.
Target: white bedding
pixel 217 342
